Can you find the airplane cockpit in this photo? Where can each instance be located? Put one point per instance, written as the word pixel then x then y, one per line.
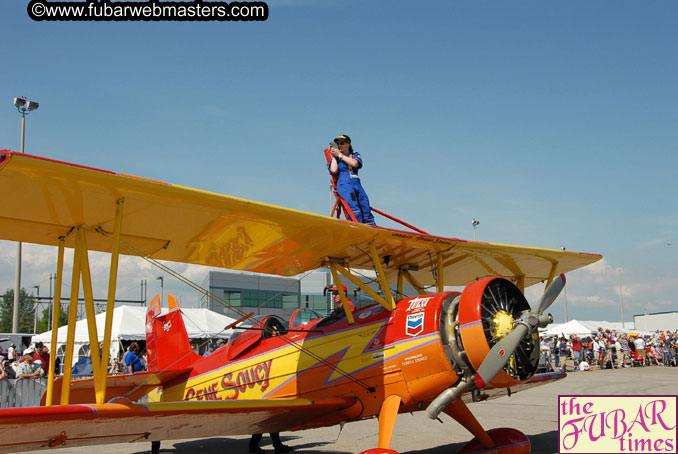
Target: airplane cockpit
pixel 273 326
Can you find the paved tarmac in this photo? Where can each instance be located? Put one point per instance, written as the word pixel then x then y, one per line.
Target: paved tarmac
pixel 533 411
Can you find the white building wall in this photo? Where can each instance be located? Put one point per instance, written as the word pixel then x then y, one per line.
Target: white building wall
pixel 658 321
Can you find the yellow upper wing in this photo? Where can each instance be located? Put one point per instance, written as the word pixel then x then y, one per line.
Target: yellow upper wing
pixel 44 200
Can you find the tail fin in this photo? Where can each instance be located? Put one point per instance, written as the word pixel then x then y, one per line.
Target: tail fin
pixel 167 344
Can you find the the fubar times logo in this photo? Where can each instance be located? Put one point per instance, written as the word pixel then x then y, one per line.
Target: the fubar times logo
pixel 617 424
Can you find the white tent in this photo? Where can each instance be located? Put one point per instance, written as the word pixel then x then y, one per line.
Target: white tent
pixel 580 328
pixel 583 328
pixel 129 324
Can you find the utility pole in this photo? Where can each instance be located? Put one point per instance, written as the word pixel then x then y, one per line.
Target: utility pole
pixel 162 289
pixel 621 298
pixel 35 309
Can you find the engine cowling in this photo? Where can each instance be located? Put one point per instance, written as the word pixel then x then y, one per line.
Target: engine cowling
pixel 479 318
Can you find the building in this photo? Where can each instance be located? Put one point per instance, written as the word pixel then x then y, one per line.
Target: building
pixel 657 321
pixel 266 294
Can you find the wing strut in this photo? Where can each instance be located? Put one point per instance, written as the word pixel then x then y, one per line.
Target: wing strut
pixel 337 267
pixel 381 277
pixel 110 306
pixel 56 312
pixel 81 270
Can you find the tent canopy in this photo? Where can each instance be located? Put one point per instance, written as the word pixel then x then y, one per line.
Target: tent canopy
pixel 583 328
pixel 129 323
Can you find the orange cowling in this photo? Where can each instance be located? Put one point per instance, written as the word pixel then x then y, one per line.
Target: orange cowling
pixel 477 306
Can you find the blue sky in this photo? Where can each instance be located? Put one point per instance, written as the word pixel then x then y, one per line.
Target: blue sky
pixel 552 123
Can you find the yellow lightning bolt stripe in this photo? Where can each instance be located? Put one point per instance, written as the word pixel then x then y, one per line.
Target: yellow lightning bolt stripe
pixel 289 361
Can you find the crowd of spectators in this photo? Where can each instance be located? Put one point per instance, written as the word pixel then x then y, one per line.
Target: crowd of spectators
pixel 607 349
pixel 33 361
pixel 30 362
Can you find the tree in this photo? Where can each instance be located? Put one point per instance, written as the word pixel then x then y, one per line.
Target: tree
pixel 43 321
pixel 26 312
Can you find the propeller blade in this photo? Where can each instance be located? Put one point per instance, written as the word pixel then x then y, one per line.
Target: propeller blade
pixel 550 294
pixel 499 355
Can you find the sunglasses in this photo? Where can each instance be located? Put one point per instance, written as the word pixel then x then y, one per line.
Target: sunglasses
pixel 335 293
pixel 341 142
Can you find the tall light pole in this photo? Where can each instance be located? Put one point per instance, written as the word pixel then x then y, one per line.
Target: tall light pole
pixel 144 284
pixel 24 107
pixel 162 290
pixel 35 309
pixel 474 223
pixel 621 297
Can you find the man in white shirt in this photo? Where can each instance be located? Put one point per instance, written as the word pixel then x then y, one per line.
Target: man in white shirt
pixel 11 353
pixel 29 369
pixel 640 348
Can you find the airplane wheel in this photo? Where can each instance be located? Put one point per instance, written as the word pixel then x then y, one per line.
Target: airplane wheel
pixel 508 441
pixel 155 447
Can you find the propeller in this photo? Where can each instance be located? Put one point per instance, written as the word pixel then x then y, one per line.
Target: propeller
pixel 500 354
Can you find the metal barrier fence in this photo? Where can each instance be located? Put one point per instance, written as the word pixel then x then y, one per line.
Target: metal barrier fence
pixel 22 392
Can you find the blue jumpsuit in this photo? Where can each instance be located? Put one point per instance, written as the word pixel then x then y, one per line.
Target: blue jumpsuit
pixel 350 189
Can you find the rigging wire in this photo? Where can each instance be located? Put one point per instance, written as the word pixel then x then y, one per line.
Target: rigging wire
pixel 242 314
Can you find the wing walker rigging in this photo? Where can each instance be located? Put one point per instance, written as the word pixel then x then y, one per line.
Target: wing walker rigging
pixel 437 351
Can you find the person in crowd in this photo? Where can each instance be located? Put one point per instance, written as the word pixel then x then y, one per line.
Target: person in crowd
pixel 27 368
pixel 577 349
pixel 624 350
pixel 584 366
pixel 42 354
pixel 131 359
pixel 11 353
pixel 596 351
pixel 210 349
pixel 604 352
pixel 563 351
pixel 117 366
pixel 639 342
pixel 345 163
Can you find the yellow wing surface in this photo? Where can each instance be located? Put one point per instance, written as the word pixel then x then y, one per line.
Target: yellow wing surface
pixel 44 200
pixel 122 421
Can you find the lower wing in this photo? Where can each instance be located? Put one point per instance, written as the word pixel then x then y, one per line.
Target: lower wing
pixel 23 429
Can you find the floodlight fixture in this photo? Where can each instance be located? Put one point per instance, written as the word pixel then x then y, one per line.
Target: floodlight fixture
pixel 24 106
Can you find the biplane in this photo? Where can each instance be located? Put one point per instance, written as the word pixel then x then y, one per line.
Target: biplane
pixel 436 351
